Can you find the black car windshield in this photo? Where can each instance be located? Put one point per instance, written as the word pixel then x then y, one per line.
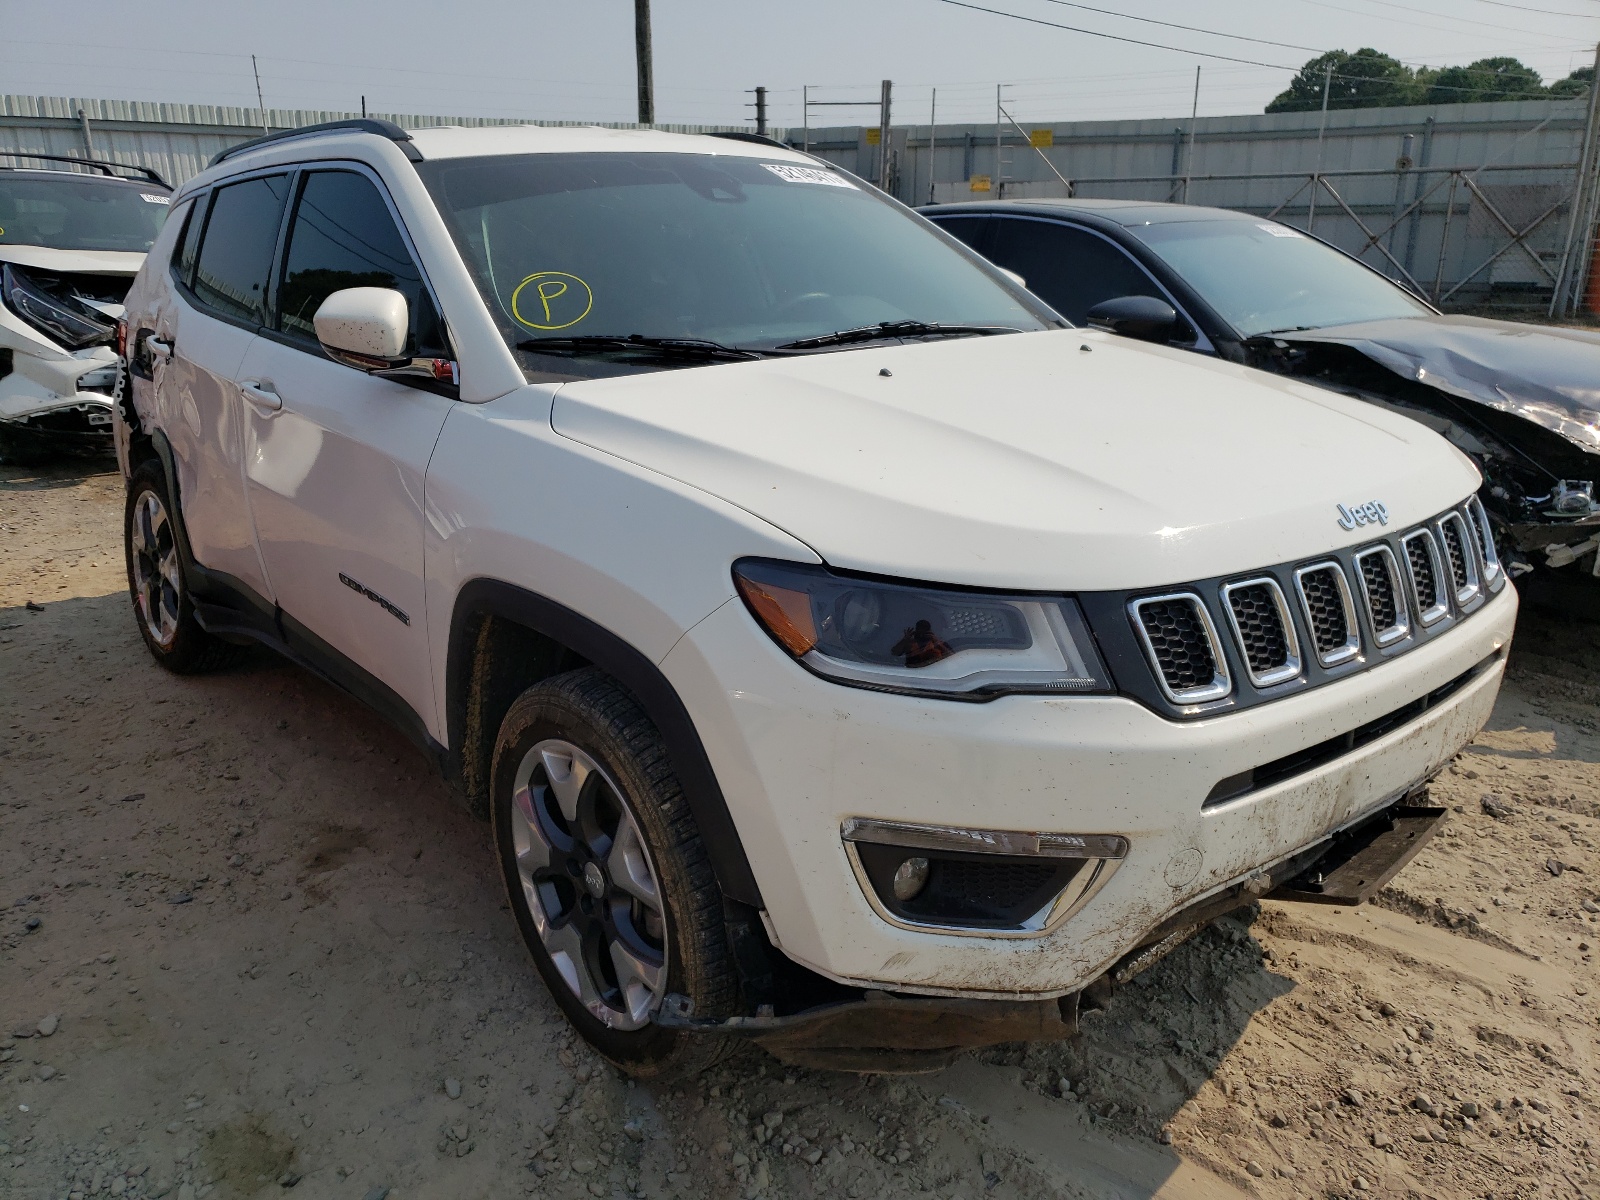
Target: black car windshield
pixel 1263 277
pixel 576 253
pixel 84 213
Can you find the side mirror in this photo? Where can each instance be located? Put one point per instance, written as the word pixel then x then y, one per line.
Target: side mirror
pixel 1144 318
pixel 1014 277
pixel 364 328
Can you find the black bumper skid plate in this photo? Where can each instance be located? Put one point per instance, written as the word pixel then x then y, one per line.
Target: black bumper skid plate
pixel 1362 860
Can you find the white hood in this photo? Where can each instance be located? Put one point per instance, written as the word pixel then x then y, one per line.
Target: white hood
pixel 1025 461
pixel 92 262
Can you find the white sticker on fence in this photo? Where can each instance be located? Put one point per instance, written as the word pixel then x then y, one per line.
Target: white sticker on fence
pixel 796 174
pixel 1281 231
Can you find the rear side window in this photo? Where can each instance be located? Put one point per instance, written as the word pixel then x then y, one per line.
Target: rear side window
pixel 1072 269
pixel 189 240
pixel 344 236
pixel 235 260
pixel 974 231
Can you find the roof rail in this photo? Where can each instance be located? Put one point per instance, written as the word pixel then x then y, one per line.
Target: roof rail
pixel 760 139
pixel 106 168
pixel 384 129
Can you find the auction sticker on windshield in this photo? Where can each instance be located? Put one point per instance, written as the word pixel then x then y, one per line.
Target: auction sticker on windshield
pixel 796 174
pixel 152 198
pixel 1281 231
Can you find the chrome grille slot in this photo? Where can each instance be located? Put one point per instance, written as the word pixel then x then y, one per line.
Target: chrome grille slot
pixel 1264 629
pixel 1483 538
pixel 1330 614
pixel 1182 645
pixel 1378 576
pixel 1427 576
pixel 1459 550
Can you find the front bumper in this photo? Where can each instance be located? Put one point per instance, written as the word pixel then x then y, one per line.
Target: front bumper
pixel 52 396
pixel 798 757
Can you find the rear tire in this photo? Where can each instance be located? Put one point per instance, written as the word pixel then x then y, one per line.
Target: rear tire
pixel 161 603
pixel 606 874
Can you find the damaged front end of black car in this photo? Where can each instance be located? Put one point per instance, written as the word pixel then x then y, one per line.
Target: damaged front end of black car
pixel 1522 401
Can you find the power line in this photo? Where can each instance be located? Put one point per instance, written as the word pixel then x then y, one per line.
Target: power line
pixel 1419 12
pixel 1238 37
pixel 1546 11
pixel 1203 53
pixel 1117 37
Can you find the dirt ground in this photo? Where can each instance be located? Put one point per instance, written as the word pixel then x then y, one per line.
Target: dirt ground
pixel 247 943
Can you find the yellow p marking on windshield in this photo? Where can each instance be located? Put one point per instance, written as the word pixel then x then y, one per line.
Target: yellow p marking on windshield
pixel 564 300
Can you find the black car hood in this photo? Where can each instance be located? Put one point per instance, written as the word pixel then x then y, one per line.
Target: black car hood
pixel 1543 373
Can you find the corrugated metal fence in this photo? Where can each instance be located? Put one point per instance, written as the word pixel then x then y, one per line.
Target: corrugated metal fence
pixel 1473 203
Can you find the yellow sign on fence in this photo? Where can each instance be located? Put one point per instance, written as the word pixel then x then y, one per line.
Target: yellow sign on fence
pixel 981 183
pixel 874 136
pixel 1041 139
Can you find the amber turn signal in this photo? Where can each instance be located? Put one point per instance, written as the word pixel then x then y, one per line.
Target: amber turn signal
pixel 785 613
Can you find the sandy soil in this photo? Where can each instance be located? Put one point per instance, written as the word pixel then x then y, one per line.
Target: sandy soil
pixel 270 953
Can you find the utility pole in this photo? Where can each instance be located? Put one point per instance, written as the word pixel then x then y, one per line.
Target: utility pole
pixel 363 106
pixel 261 105
pixel 1573 277
pixel 641 50
pixel 883 137
pixel 933 138
pixel 761 111
pixel 996 183
pixel 1316 180
pixel 1194 115
pixel 805 108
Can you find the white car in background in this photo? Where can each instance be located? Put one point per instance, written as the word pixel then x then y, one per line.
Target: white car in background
pixel 849 654
pixel 72 237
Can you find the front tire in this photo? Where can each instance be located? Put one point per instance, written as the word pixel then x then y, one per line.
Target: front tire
pixel 610 884
pixel 161 602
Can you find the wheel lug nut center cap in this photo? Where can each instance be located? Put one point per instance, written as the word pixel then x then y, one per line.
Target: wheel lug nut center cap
pixel 594 879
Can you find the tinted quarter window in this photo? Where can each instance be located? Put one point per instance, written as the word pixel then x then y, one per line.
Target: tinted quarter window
pixel 189 242
pixel 343 237
pixel 972 230
pixel 235 258
pixel 1071 268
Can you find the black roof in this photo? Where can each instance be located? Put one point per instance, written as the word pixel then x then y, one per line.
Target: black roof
pixel 1118 212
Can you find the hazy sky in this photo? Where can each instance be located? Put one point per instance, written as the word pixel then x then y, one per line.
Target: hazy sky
pixel 575 61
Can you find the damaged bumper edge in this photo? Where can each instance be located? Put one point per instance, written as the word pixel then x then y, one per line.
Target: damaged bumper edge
pixel 882 1031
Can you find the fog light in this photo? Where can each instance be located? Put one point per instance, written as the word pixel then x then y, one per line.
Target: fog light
pixel 910 877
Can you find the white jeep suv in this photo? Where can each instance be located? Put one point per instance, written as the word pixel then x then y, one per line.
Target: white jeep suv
pixel 850 655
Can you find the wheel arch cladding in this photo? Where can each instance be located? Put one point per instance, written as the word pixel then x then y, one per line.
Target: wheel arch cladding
pixel 504 639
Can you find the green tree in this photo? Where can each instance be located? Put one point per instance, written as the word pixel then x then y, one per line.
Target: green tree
pixel 1576 84
pixel 1365 79
pixel 1486 79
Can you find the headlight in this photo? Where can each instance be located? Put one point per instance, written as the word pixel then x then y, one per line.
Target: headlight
pixel 965 645
pixel 69 326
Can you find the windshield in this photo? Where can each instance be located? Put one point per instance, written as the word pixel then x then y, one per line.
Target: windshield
pixel 1262 277
pixel 65 213
pixel 725 249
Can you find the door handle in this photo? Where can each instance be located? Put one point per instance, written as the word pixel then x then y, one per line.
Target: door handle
pixel 260 394
pixel 159 347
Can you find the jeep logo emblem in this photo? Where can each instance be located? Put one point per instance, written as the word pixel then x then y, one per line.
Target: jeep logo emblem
pixel 1357 515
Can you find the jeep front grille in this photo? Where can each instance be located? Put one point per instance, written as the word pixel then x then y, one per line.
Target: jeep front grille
pixel 1379 578
pixel 1483 537
pixel 1265 630
pixel 1427 584
pixel 1182 645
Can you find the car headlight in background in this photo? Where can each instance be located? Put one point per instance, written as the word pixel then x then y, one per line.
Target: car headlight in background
pixel 900 637
pixel 59 320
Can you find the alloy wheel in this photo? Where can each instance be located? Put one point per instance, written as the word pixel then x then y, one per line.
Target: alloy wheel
pixel 156 578
pixel 590 886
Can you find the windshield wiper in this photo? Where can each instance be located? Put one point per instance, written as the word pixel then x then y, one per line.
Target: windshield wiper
pixel 893 329
pixel 635 343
